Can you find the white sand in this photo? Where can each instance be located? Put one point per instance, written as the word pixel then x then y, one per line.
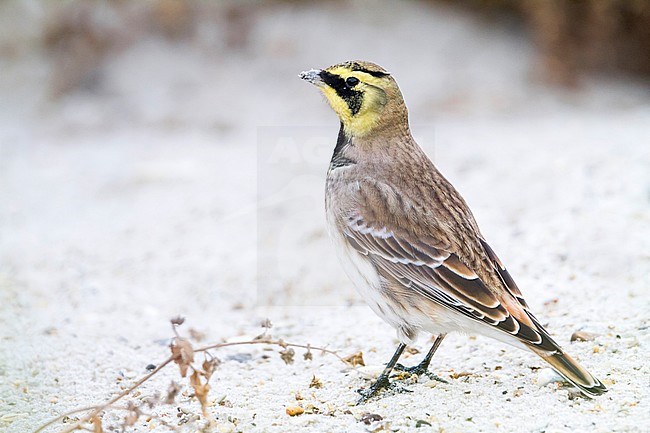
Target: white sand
pixel 121 209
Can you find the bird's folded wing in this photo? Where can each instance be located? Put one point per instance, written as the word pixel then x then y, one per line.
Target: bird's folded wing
pixel 426 265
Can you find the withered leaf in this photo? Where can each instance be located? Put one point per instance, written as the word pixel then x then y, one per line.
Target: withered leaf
pixel 287 355
pixel 308 355
pixel 201 390
pixel 355 359
pixel 97 425
pixel 208 366
pixel 178 320
pixel 183 354
pixel 315 383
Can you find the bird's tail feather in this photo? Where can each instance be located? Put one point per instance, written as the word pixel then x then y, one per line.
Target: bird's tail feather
pixel 574 373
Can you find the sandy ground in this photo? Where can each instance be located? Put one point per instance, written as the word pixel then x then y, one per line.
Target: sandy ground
pixel 191 183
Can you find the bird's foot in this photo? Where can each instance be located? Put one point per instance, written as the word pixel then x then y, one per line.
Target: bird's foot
pixel 381 383
pixel 419 370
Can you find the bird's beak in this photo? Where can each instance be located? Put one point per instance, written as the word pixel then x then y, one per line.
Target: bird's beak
pixel 313 76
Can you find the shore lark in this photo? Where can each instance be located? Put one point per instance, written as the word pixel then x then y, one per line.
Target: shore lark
pixel 407 238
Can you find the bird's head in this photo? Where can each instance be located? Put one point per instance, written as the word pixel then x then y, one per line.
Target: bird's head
pixel 363 95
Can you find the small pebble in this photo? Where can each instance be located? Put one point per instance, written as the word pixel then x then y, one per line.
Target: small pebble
pixel 369 418
pixel 294 410
pixel 226 427
pixel 548 375
pixel 583 336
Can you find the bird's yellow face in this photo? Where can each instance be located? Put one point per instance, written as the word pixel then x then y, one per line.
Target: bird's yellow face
pixel 357 91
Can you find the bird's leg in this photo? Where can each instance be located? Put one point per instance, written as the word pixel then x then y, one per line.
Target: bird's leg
pixel 423 367
pixel 382 381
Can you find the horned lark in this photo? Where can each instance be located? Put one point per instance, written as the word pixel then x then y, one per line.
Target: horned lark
pixel 407 238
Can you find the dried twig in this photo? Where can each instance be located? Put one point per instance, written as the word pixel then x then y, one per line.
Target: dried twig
pixel 97 409
pixel 183 355
pixel 271 342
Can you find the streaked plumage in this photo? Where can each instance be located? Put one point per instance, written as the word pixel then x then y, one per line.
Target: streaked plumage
pixel 407 238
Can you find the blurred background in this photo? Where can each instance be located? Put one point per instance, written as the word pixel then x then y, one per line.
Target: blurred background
pixel 130 130
pixel 162 157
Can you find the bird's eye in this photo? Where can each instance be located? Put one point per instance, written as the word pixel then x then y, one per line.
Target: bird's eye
pixel 352 81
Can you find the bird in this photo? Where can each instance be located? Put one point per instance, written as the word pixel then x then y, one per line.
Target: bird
pixel 408 240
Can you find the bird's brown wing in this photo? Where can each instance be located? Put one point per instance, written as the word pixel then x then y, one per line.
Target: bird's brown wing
pixel 430 267
pixel 503 273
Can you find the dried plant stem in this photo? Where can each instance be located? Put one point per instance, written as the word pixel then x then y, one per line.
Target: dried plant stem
pixel 95 410
pixel 280 343
pixel 147 414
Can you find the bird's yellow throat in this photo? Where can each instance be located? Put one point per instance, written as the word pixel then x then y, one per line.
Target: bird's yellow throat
pixel 372 99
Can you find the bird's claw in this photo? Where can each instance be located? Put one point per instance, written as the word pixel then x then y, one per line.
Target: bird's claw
pixel 381 383
pixel 419 370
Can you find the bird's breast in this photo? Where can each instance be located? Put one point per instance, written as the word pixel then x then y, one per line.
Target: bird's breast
pixel 359 267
